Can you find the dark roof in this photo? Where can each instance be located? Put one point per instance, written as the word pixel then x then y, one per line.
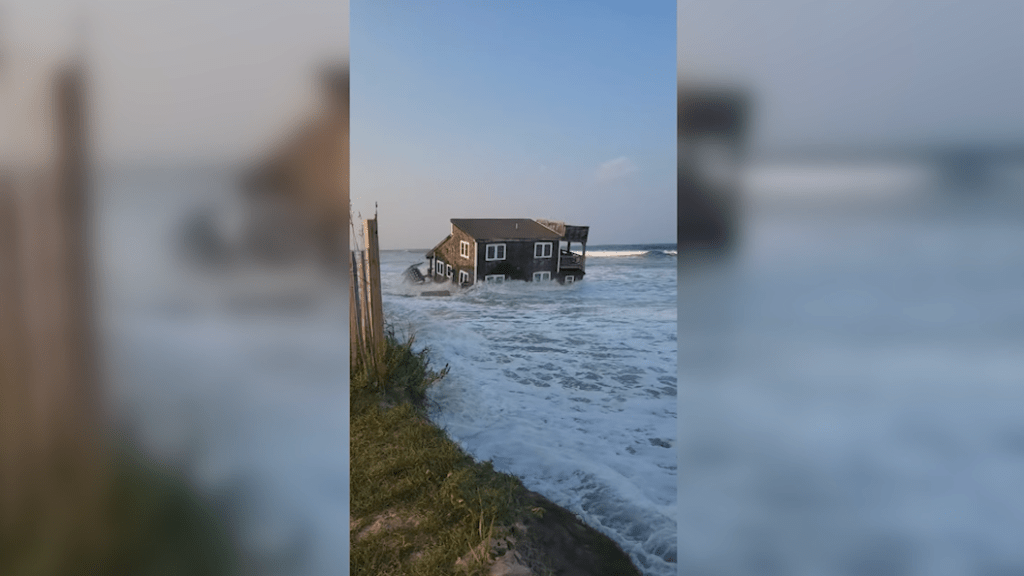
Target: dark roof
pixel 504 229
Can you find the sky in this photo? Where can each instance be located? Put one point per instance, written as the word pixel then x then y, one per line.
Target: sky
pixel 561 110
pixel 558 110
pixel 187 80
pixel 865 72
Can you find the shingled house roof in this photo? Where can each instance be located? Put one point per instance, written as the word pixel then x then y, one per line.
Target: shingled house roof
pixel 504 229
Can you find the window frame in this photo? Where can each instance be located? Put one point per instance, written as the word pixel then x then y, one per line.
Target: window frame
pixel 464 249
pixel 447 270
pixel 544 247
pixel 463 277
pixel 496 278
pixel 438 267
pixel 487 252
pixel 570 279
pixel 545 276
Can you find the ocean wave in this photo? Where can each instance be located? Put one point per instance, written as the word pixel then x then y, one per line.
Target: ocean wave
pixel 654 253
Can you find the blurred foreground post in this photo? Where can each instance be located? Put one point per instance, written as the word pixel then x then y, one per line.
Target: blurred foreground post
pixel 53 466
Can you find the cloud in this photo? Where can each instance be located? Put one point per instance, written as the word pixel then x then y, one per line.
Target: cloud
pixel 614 169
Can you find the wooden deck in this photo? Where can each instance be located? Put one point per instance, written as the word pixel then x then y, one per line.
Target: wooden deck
pixel 571 261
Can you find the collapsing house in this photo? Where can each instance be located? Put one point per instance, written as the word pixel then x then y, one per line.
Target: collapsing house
pixel 301 189
pixel 712 128
pixel 499 249
pixel 294 199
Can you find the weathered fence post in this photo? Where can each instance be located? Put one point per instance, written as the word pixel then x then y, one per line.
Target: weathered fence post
pixel 376 306
pixel 54 468
pixel 15 403
pixel 367 312
pixel 354 324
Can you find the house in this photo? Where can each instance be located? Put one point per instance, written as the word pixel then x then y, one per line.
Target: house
pixel 499 249
pixel 301 188
pixel 712 126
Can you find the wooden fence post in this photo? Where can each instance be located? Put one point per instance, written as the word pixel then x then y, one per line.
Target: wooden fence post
pixel 16 449
pixel 354 341
pixel 53 462
pixel 376 306
pixel 366 313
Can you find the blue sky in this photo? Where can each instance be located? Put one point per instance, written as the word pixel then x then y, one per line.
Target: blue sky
pixel 870 72
pixel 562 110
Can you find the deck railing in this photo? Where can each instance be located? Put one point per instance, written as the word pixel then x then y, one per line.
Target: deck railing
pixel 571 260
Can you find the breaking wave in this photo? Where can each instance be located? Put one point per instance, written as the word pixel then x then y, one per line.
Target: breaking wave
pixel 660 251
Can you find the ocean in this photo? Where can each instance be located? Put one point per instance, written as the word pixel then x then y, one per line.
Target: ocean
pixel 852 379
pixel 571 388
pixel 235 378
pixel 842 396
pixel 232 378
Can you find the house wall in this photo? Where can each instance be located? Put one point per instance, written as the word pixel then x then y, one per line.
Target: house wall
pixel 449 254
pixel 577 275
pixel 519 263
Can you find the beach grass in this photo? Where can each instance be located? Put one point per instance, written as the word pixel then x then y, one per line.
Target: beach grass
pixel 421 506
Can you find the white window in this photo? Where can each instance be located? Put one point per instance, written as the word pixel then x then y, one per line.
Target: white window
pixel 570 279
pixel 463 277
pixel 464 249
pixel 495 278
pixel 495 252
pixel 448 270
pixel 439 267
pixel 541 276
pixel 542 250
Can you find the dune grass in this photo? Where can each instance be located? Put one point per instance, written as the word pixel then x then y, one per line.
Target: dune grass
pixel 420 506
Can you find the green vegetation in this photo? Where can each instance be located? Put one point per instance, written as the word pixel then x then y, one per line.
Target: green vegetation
pixel 163 527
pixel 420 506
pixel 150 524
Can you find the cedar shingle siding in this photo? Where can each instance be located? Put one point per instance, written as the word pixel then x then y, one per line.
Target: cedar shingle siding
pixel 519 263
pixel 448 252
pixel 519 236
